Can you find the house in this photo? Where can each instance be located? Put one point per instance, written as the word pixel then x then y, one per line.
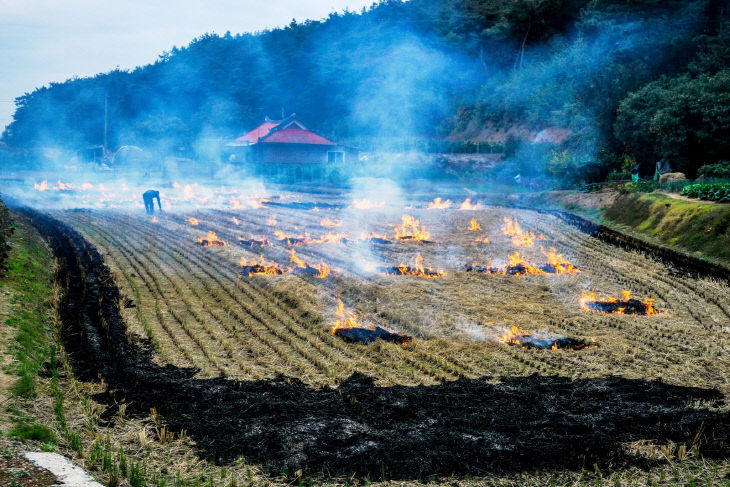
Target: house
pixel 287 149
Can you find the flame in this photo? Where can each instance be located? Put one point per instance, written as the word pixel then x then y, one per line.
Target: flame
pixel 261 267
pixel 345 319
pixel 516 260
pixel 236 220
pixel 307 239
pixel 271 221
pixel 253 241
pixel 154 219
pixel 474 225
pixel 410 230
pixel 211 240
pixel 560 263
pixel 511 335
pixel 323 270
pixel 326 222
pixel 591 297
pixel 417 269
pixel 511 228
pixel 437 204
pixel 375 236
pixel 484 239
pixel 299 262
pixel 252 202
pixel 467 205
pixel 63 186
pixel 193 221
pixel 59 186
pixel 366 204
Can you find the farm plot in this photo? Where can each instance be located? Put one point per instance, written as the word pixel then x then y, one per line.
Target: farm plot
pixel 492 269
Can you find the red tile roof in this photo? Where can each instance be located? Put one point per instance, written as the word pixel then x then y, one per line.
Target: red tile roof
pixel 253 136
pixel 296 136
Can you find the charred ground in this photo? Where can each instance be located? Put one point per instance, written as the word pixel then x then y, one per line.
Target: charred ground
pixel 467 426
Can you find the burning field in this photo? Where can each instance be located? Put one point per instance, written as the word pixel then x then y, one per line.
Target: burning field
pixel 370 305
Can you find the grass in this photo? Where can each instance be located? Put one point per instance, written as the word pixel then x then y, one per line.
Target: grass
pixel 33 431
pixel 28 278
pixel 692 226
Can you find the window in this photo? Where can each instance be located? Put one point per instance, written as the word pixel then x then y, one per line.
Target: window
pixel 334 157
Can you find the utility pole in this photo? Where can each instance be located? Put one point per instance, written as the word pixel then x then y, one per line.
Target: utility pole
pixel 106 124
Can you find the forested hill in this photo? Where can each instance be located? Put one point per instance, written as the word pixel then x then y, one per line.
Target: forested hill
pixel 637 78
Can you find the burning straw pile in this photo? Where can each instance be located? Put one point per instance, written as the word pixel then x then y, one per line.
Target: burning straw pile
pixel 211 240
pixel 518 265
pixel 517 336
pixel 416 269
pixel 626 305
pixel 411 230
pixel 349 329
pixel 260 268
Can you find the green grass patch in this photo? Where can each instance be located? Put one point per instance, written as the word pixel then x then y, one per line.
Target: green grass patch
pixel 691 226
pixel 29 280
pixel 33 431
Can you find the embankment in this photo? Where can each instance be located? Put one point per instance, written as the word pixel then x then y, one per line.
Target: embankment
pixel 665 226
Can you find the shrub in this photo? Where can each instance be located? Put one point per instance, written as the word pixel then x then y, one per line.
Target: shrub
pixel 719 192
pixel 641 186
pixel 715 171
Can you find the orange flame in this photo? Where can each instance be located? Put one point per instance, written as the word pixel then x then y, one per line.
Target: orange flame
pixel 42 186
pixel 410 230
pixel 326 222
pixel 483 239
pixel 467 205
pixel 211 240
pixel 590 296
pixel 154 219
pixel 323 270
pixel 516 260
pixel 375 236
pixel 299 262
pixel 193 221
pixel 417 269
pixel 366 204
pixel 271 221
pixel 474 226
pixel 437 204
pixel 261 267
pixel 252 202
pixel 345 319
pixel 307 239
pixel 511 335
pixel 560 263
pixel 236 220
pixel 511 228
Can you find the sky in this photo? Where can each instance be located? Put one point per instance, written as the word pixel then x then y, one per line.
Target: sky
pixel 43 41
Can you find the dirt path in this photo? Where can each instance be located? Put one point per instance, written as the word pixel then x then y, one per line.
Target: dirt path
pixel 678 196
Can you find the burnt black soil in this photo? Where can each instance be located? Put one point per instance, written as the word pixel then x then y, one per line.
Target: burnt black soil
pixel 467 426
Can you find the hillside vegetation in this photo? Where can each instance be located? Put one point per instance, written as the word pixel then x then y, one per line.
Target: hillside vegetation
pixel 692 226
pixel 627 81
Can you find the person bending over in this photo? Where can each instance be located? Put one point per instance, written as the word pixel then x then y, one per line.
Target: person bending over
pixel 149 201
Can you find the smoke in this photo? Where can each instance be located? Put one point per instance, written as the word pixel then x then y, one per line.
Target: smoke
pixel 388 87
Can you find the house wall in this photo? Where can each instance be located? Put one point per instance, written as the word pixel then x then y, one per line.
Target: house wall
pixel 298 162
pixel 295 153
